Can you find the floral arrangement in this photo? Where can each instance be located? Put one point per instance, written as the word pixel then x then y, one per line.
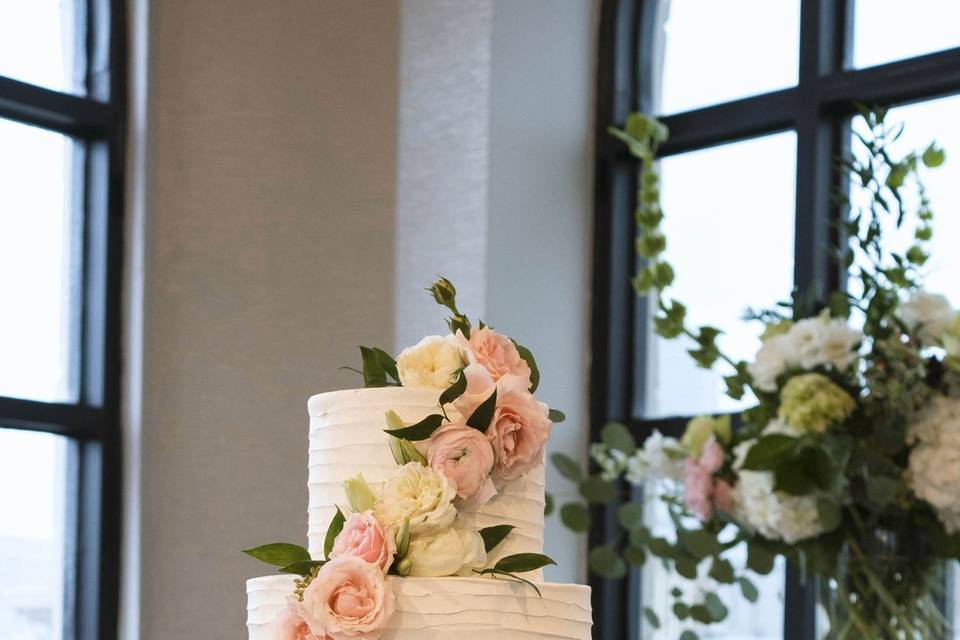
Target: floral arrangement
pixel 488 430
pixel 848 464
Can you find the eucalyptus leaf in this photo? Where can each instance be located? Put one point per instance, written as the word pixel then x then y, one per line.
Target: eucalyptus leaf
pixel 652 618
pixel 567 467
pixel 617 436
pixel 748 589
pixel 722 571
pixel 635 555
pixel 688 635
pixel 699 542
pixel 606 562
pixel 575 516
pixel 598 490
pixel 556 416
pixel 630 515
pixel 718 611
pixel 759 560
pixel 686 566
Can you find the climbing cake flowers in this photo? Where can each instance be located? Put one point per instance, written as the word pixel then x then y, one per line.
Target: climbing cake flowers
pixel 847 463
pixel 487 430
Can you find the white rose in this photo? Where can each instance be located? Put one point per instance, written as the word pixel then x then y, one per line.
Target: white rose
pixel 418 494
pixel 927 314
pixel 430 363
pixel 770 363
pixel 839 343
pixel 813 342
pixel 805 340
pixel 446 553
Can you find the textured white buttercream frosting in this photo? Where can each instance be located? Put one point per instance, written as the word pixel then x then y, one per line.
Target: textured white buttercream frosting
pixel 444 608
pixel 347 438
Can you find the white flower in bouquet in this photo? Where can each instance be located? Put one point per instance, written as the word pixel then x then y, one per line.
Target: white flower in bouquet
pixel 419 494
pixel 446 553
pixel 773 514
pixel 663 456
pixel 934 469
pixel 927 315
pixel 771 362
pixel 823 341
pixel 431 363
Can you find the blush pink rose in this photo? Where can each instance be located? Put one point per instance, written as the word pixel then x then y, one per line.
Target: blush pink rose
pixel 495 352
pixel 711 458
pixel 698 489
pixel 465 456
pixel 519 430
pixel 348 600
pixel 291 626
pixel 363 537
pixel 723 496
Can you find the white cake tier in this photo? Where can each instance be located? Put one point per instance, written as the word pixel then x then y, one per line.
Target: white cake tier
pixel 446 608
pixel 347 438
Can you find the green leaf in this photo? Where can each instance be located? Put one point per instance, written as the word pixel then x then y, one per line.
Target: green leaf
pixel 630 515
pixel 634 555
pixel 567 467
pixel 575 516
pixel 279 554
pixel 828 511
pixel 387 364
pixel 617 436
pixel 527 356
pixel 336 526
pixel 455 390
pixel 557 416
pixel 523 562
pixel 934 156
pixel 748 589
pixel 681 611
pixel 606 562
pixel 718 611
pixel 722 571
pixel 688 635
pixel 699 542
pixel 883 489
pixel 492 536
pixel 303 567
pixel 411 453
pixel 651 617
pixel 419 431
pixel 482 416
pixel 701 614
pixel 374 374
pixel 686 566
pixel 403 539
pixel 759 560
pixel 661 547
pixel 769 451
pixel 548 504
pixel 512 576
pixel 598 490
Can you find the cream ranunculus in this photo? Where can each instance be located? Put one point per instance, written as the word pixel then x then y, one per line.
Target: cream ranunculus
pixel 927 315
pixel 419 494
pixel 431 363
pixel 446 553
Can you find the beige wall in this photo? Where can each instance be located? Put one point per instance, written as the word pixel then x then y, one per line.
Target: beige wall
pixel 267 253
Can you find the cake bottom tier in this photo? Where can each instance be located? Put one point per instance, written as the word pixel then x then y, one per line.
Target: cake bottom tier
pixel 435 608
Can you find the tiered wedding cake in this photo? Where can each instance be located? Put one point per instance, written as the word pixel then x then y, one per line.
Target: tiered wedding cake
pixel 426 504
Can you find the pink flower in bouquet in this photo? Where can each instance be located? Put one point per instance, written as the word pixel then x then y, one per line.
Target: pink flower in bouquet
pixel 348 600
pixel 519 430
pixel 698 483
pixel 465 456
pixel 363 537
pixel 291 626
pixel 495 352
pixel 723 496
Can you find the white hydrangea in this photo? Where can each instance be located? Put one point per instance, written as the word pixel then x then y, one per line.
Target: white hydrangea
pixel 659 458
pixel 812 342
pixel 934 469
pixel 927 314
pixel 773 514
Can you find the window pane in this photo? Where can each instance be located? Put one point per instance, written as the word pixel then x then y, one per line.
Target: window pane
pixel 39 264
pixel 39 42
pixel 713 52
pixel 32 510
pixel 888 30
pixel 718 204
pixel 762 620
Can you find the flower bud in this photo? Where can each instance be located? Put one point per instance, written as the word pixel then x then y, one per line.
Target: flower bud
pixel 359 494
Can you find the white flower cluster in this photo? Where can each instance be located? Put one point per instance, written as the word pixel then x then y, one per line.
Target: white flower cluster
pixel 774 514
pixel 934 470
pixel 812 342
pixel 660 458
pixel 927 315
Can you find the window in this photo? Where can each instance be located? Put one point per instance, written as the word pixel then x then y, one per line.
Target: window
pixel 752 91
pixel 62 101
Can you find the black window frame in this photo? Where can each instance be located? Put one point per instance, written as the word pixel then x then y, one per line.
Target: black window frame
pixel 818 109
pixel 96 121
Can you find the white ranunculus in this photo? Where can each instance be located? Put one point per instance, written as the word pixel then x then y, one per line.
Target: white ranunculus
pixel 419 494
pixel 430 363
pixel 927 315
pixel 773 514
pixel 770 363
pixel 446 553
pixel 934 469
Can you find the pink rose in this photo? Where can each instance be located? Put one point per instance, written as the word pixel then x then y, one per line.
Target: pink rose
pixel 519 430
pixel 291 626
pixel 465 456
pixel 495 352
pixel 349 599
pixel 363 537
pixel 698 489
pixel 712 455
pixel 723 496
